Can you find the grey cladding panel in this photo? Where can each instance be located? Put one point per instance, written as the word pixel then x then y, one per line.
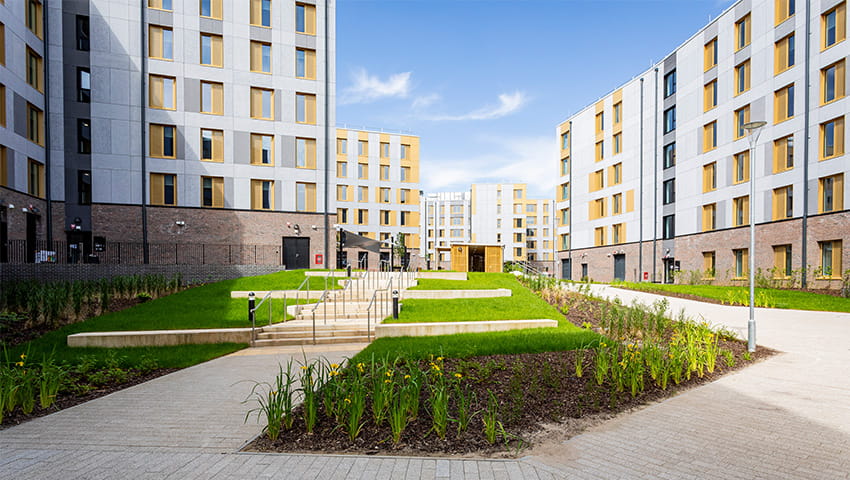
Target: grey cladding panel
pixel 670 63
pixel 261 34
pixel 742 8
pixel 305 41
pixel 160 17
pixel 20 109
pixel 209 25
pixel 191 95
pixel 287 151
pixel 669 102
pixel 180 140
pixel 826 5
pixel 720 213
pixel 783 29
pixel 241 148
pixel 710 32
pixel 710 75
pixel 743 54
pixel 757 109
pixel 278 102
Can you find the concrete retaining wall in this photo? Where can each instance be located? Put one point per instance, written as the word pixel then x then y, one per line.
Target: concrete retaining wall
pixel 449 294
pixel 159 338
pixel 451 328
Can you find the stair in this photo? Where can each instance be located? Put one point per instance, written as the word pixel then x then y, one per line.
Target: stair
pixel 301 333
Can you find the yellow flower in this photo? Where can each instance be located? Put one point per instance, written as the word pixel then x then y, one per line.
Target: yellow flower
pixel 347 400
pixel 333 373
pixel 334 366
pixel 20 364
pixel 303 367
pixel 406 377
pixel 23 356
pixel 387 381
pixel 439 359
pixel 389 373
pixel 457 375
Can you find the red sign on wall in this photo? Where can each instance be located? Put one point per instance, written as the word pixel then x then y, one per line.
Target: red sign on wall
pixel 646 275
pixel 320 259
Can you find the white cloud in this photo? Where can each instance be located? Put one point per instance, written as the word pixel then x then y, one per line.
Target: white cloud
pixel 531 160
pixel 424 101
pixel 508 104
pixel 368 88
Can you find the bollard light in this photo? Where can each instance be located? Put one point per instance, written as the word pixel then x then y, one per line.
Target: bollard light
pixel 395 304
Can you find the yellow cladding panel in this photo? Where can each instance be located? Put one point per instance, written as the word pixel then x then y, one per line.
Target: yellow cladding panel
pixel 618 96
pixel 460 258
pixel 600 106
pixel 630 201
pixel 363 136
pixel 493 261
pixel 341 133
pixel 384 138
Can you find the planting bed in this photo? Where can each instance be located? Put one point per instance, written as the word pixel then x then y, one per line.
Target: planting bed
pixel 524 394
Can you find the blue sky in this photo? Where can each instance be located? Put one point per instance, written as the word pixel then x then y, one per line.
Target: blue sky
pixel 484 83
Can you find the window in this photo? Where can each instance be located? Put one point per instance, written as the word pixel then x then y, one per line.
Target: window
pixel 565 140
pixel 517 223
pixel 384 215
pixel 831 193
pixel 363 216
pixel 709 265
pixel 404 196
pixel 305 108
pixel 83 33
pixel 342 215
pixel 35 124
pixel 742 266
pixel 362 194
pixel 384 195
pixel 709 177
pixel 162 141
pixel 834 25
pixel 832 138
pixel 565 191
pixel 212 145
pixel 342 193
pixel 783 54
pixel 362 171
pixel 617 204
pixel 305 197
pixel 160 42
pixel 741 210
pixel 211 9
pixel 599 236
pixel 262 149
pixel 742 77
pixel 600 151
pixel 262 194
pixel 833 82
pixel 406 174
pixel 783 202
pixel 261 57
pixel 783 10
pixel 670 84
pixel 385 172
pixel 262 103
pixel 163 189
pixel 305 153
pixel 160 4
pixel 405 151
pixel 600 122
pixel 305 18
pixel 783 154
pixel 565 166
pixel 35 70
pixel 459 221
pixel 35 178
pixel 261 13
pixel 342 146
pixel 669 119
pixel 404 220
pixel 83 136
pixel 212 98
pixel 597 180
pixel 742 32
pixel 615 174
pixel 668 227
pixel 84 85
pixel 741 167
pixel 710 54
pixel 565 216
pixel 782 261
pixel 669 191
pixel 618 143
pixel 709 136
pixel 709 98
pixel 212 50
pixel 669 155
pixel 34 17
pixel 709 217
pixel 4 167
pixel 597 209
pixel 618 233
pixel 783 104
pixel 341 169
pixel 830 263
pixel 362 148
pixel 84 187
pixel 2 44
pixel 212 192
pixel 384 150
pixel 518 194
pixel 742 116
pixel 305 63
pixel 565 242
pixel 618 112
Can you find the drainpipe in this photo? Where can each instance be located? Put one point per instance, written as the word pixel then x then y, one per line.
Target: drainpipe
pixel 327 133
pixel 143 109
pixel 640 204
pixel 655 183
pixel 806 65
pixel 570 203
pixel 47 160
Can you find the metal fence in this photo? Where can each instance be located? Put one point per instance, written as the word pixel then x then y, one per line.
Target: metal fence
pixel 129 253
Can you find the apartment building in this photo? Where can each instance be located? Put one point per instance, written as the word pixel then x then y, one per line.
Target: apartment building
pixel 448 221
pixel 172 122
pixel 655 176
pixel 377 186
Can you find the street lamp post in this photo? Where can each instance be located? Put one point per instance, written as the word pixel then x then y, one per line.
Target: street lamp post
pixel 753 129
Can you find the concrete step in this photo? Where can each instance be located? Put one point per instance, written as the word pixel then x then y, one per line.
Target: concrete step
pixel 308 334
pixel 294 325
pixel 278 342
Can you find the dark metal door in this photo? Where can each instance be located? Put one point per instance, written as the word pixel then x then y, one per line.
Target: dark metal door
pixel 4 237
pixel 669 269
pixel 296 252
pixel 584 276
pixel 31 237
pixel 566 269
pixel 619 267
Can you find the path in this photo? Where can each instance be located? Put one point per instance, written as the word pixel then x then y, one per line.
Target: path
pixel 787 417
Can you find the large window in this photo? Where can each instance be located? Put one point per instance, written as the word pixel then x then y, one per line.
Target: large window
pixel 783 202
pixel 831 193
pixel 163 189
pixel 162 141
pixel 212 48
pixel 34 17
pixel 35 178
pixel 305 108
pixel 742 117
pixel 305 18
pixel 741 167
pixel 211 9
pixel 212 98
pixel 305 153
pixel 305 63
pixel 832 138
pixel 83 135
pixel 783 154
pixel 261 13
pixel 709 136
pixel 261 57
pixel 83 85
pixel 262 194
pixel 262 149
pixel 741 211
pixel 709 177
pixel 669 119
pixel 35 124
pixel 784 10
pixel 743 32
pixel 160 4
pixel 833 82
pixel 830 259
pixel 83 43
pixel 669 155
pixel 363 171
pixel 84 187
pixel 160 42
pixel 742 266
pixel 668 226
pixel 262 103
pixel 670 84
pixel 305 197
pixel 669 191
pixel 784 54
pixel 35 70
pixel 710 54
pixel 212 145
pixel 742 77
pixel 834 25
pixel 709 99
pixel 783 104
pixel 212 192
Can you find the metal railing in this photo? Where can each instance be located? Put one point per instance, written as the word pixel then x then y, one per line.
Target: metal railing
pixel 382 299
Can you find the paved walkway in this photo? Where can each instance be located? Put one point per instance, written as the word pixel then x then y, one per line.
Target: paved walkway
pixel 787 417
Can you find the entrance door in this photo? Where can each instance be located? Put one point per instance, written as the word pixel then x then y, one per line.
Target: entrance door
pixel 476 262
pixel 363 260
pixel 620 267
pixel 584 276
pixel 31 236
pixel 669 268
pixel 566 269
pixel 296 253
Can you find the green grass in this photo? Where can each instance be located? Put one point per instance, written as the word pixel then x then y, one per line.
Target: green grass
pixel 789 299
pixel 523 304
pixel 476 281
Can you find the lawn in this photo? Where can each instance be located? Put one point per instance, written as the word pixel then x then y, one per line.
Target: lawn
pixel 523 304
pixel 778 298
pixel 476 281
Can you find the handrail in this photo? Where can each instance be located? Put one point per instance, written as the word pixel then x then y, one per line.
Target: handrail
pixel 372 304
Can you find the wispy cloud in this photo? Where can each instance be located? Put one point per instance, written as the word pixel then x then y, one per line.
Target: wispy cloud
pixel 508 104
pixel 424 101
pixel 367 88
pixel 528 160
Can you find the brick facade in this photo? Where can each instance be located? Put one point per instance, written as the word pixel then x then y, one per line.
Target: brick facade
pixel 191 274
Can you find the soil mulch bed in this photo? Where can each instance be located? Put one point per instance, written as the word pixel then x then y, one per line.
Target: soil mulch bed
pixel 67 400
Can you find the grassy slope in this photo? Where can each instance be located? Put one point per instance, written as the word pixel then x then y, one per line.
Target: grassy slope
pixel 783 298
pixel 524 304
pixel 476 281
